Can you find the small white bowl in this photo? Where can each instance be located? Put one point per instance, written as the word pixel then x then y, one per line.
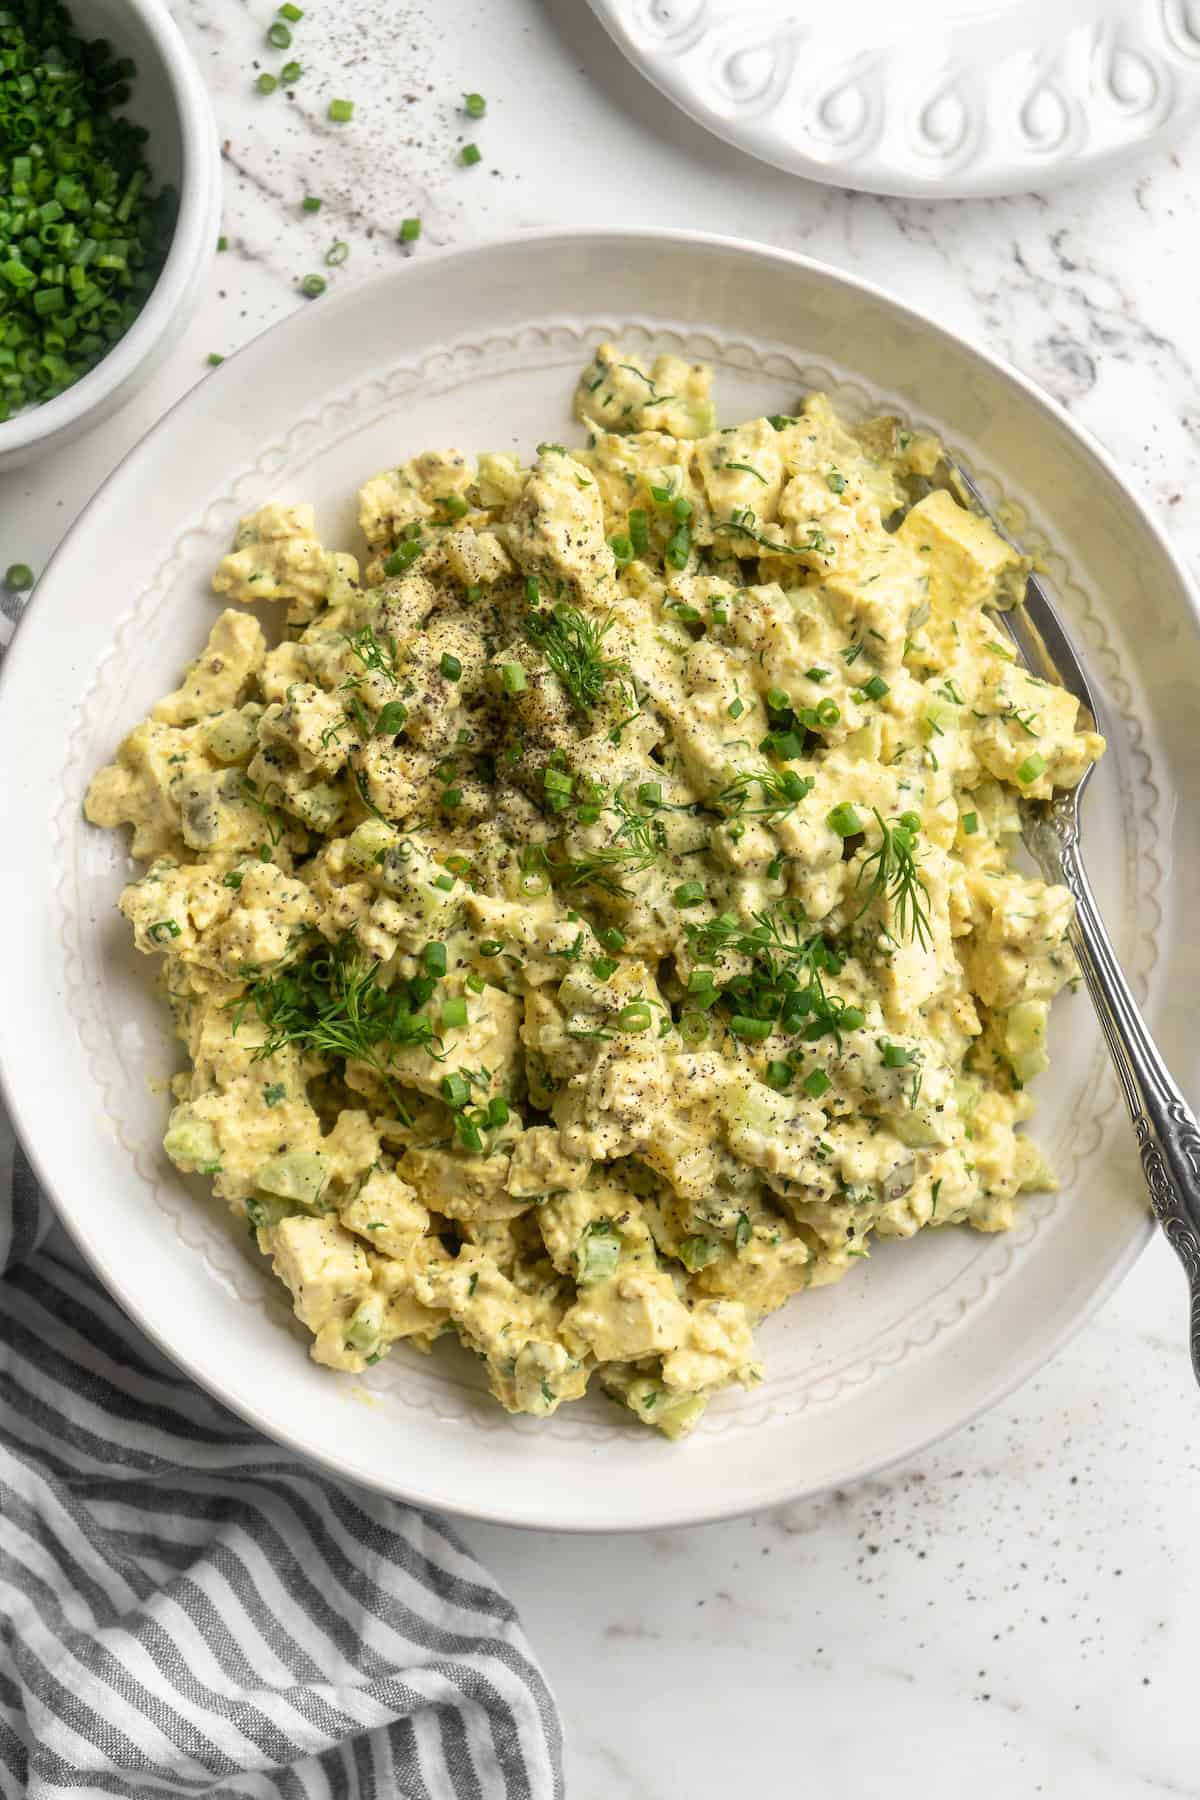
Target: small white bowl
pixel 170 101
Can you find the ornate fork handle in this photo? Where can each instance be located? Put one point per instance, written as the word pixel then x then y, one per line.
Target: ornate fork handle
pixel 1167 1132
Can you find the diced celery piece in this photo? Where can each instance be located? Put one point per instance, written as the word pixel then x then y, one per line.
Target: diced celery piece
pixel 367 840
pixel 365 1324
pixel 1025 1039
pixel 297 1175
pixel 319 806
pixel 599 1252
pixel 675 1415
pixel 191 1143
pixel 232 737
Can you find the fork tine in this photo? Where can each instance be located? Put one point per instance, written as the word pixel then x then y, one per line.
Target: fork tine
pixel 1035 627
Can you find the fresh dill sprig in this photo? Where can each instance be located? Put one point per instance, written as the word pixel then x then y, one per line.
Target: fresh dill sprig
pixel 779 791
pixel 572 645
pixel 263 807
pixel 330 1003
pixel 895 877
pixel 635 846
pixel 376 653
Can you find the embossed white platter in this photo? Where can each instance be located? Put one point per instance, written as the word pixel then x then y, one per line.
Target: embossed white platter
pixel 480 349
pixel 936 98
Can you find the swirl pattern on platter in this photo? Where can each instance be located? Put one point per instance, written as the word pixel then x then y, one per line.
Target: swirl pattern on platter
pixel 451 1388
pixel 1061 89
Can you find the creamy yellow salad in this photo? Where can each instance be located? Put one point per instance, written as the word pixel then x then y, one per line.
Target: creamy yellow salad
pixel 593 922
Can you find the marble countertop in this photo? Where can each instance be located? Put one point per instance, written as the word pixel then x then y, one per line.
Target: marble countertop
pixel 1012 1608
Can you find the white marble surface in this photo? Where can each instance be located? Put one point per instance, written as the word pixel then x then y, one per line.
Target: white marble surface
pixel 1016 1610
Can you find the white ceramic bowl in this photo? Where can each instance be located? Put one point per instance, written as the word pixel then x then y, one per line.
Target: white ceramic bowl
pixel 170 101
pixel 481 349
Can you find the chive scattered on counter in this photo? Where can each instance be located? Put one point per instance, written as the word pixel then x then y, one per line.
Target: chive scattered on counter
pixel 470 154
pixel 291 13
pixel 310 203
pixel 410 230
pixel 215 359
pixel 290 72
pixel 266 83
pixel 313 286
pixel 82 235
pixel 474 105
pixel 278 35
pixel 341 111
pixel 222 243
pixel 337 253
pixel 18 577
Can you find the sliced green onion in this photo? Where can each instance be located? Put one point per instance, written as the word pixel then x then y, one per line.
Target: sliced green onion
pixel 816 674
pixel 341 111
pixel 828 713
pixel 403 557
pixel 639 531
pixel 215 359
pixel 603 967
pixel 337 253
pixel 970 824
pixel 876 688
pixel 469 155
pixel 689 893
pixel 622 549
pixel 497 1110
pixel 391 718
pixel 844 820
pixel 474 105
pixel 753 1029
pixel 278 36
pixel 853 1018
pixel 291 13
pixel 454 1012
pixel 612 937
pixel 433 958
pixel 1031 768
pixel 290 73
pixel 468 1133
pixel 311 203
pixel 410 230
pixel 816 1083
pixel 693 1027
pixel 895 1056
pixel 513 678
pixel 650 793
pixel 456 1090
pixel 450 666
pixel 266 83
pixel 779 1075
pixel 313 286
pixel 18 577
pixel 634 1017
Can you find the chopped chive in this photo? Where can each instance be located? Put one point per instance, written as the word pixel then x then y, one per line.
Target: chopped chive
pixel 313 286
pixel 689 893
pixel 468 1133
pixel 291 13
pixel 779 1075
pixel 410 230
pixel 603 967
pixel 290 72
pixel 693 1027
pixel 828 713
pixel 513 678
pixel 310 203
pixel 433 958
pixel 404 556
pixel 650 793
pixel 895 1056
pixel 635 1016
pixel 639 531
pixel 752 1029
pixel 497 1110
pixel 450 666
pixel 612 937
pixel 490 946
pixel 18 577
pixel 215 359
pixel 341 111
pixel 278 36
pixel 816 674
pixel 469 155
pixel 816 1083
pixel 970 824
pixel 876 688
pixel 222 243
pixel 1031 768
pixel 266 83
pixel 474 105
pixel 337 253
pixel 622 549
pixel 391 718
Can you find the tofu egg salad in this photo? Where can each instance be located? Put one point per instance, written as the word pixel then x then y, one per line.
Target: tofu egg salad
pixel 593 922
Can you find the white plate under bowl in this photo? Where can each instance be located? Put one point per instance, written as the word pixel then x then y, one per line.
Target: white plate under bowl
pixel 480 350
pixel 937 98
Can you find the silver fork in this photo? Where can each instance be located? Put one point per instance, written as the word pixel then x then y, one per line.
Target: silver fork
pixel 1165 1125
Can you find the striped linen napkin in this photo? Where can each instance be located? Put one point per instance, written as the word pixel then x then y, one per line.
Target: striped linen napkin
pixel 186 1609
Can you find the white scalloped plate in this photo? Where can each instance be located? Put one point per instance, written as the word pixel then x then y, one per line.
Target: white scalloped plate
pixel 938 99
pixel 481 349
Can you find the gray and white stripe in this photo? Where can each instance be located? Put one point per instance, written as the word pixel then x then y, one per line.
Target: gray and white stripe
pixel 186 1609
